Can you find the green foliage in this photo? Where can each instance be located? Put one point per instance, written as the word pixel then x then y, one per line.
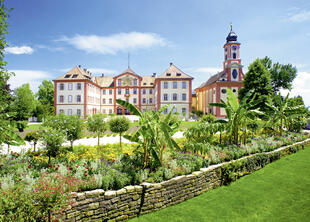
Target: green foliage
pixel 33 136
pixel 45 102
pixel 97 125
pixel 52 141
pixel 119 125
pixel 208 118
pixel 23 105
pixel 281 76
pixel 70 126
pixel 154 135
pixel 257 79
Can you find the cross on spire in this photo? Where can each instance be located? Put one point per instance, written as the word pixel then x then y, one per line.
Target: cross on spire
pixel 231 26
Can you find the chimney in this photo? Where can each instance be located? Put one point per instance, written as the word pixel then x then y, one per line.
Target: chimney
pixel 171 63
pixel 154 74
pixel 102 75
pixel 79 66
pixel 85 70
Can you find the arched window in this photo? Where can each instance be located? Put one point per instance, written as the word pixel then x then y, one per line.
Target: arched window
pixel 234 55
pixel 235 74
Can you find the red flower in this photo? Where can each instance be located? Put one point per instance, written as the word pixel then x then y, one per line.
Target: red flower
pixel 29 167
pixel 85 174
pixel 86 167
pixel 49 165
pixel 85 171
pixel 19 179
pixel 56 168
pixel 70 168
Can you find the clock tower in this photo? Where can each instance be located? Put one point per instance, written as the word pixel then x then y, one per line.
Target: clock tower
pixel 232 62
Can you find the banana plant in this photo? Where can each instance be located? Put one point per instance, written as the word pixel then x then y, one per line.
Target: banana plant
pixel 238 113
pixel 154 134
pixel 282 111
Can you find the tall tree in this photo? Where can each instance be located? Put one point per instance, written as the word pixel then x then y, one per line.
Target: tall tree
pixel 119 125
pixel 97 125
pixel 281 75
pixel 23 105
pixel 45 96
pixel 7 134
pixel 257 79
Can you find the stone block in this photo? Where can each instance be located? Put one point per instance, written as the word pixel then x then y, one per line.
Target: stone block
pixel 109 194
pixel 93 205
pixel 130 189
pixel 94 193
pixel 121 191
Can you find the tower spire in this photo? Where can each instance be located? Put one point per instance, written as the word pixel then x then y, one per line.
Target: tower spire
pixel 128 60
pixel 231 26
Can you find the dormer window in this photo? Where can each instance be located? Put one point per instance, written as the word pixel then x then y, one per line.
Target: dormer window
pixel 75 76
pixel 144 84
pixel 119 82
pixel 67 76
pixel 152 83
pixel 168 74
pixel 178 74
pixel 135 82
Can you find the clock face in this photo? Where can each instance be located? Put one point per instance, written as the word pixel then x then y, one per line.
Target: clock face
pixel 234 48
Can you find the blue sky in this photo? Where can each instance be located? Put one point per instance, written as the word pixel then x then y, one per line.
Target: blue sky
pixel 47 38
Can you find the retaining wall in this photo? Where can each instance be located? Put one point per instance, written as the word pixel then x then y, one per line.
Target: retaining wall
pixel 131 201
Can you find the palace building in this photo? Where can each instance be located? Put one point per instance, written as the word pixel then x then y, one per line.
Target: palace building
pixel 78 92
pixel 215 88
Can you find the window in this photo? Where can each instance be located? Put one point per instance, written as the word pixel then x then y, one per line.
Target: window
pixel 110 101
pixel 103 101
pixel 144 100
pixel 69 99
pixel 61 99
pixel 165 111
pixel 134 100
pixel 119 82
pixel 127 91
pixel 234 55
pixel 235 74
pixel 67 76
pixel 61 111
pixel 183 96
pixel 184 85
pixel 174 97
pixel 174 110
pixel 69 112
pixel 134 91
pixel 175 85
pixel 127 100
pixel 165 97
pixel 168 74
pixel 178 74
pixel 135 82
pixel 103 92
pixel 78 98
pixel 75 76
pixel 165 85
pixel 78 112
pixel 183 110
pixel 119 91
pixel 78 86
pixel 144 84
pixel 110 91
pixel 144 91
pixel 151 91
pixel 151 100
pixel 103 111
pixel 234 90
pixel 70 86
pixel 110 111
pixel 61 86
pixel 223 91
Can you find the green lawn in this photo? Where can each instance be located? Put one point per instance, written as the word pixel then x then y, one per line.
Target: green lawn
pixel 278 192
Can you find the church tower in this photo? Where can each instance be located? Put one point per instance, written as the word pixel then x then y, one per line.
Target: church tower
pixel 232 62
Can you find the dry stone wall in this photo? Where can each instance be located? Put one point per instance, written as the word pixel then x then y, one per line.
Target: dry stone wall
pixel 132 201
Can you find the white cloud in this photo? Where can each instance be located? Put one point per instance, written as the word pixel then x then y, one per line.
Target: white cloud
pixel 300 87
pixel 18 50
pixel 114 43
pixel 33 77
pixel 298 16
pixel 207 70
pixel 49 48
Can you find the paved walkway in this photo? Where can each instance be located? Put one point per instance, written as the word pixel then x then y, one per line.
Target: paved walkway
pixel 84 141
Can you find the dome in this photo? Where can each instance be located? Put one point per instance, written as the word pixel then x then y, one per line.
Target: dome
pixel 232 37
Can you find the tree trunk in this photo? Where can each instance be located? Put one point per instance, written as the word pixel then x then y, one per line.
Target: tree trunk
pixel 49 159
pixel 281 127
pixel 98 140
pixel 71 142
pixel 120 142
pixel 34 146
